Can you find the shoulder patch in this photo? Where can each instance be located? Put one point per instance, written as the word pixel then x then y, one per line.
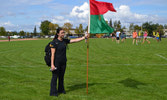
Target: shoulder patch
pixel 51 45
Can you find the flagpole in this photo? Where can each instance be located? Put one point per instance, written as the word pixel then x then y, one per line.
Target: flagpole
pixel 88 32
pixel 93 4
pixel 87 64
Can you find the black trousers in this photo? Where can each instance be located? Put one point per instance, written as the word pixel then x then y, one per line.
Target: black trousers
pixel 59 73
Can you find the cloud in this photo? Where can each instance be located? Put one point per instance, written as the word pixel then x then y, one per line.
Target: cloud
pixel 80 11
pixel 37 23
pixel 9 26
pixel 56 19
pixel 18 11
pixel 6 24
pixel 60 20
pixel 30 27
pixel 13 27
pixel 125 15
pixel 79 14
pixel 44 18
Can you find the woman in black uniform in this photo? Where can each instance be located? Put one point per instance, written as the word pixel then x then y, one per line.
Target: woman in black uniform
pixel 58 61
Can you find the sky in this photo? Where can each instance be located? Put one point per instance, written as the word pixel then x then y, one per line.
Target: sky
pixel 17 15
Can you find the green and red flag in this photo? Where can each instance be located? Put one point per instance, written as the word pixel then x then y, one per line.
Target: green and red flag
pixel 97 24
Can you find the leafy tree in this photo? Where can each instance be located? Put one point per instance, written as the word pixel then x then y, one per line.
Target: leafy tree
pixel 45 27
pixel 110 23
pixel 131 27
pixel 56 26
pixel 115 24
pixel 28 34
pixel 81 31
pixel 119 25
pixel 137 27
pixel 154 27
pixel 2 31
pixel 9 33
pixel 14 33
pixel 165 26
pixel 148 26
pixel 67 27
pixel 22 33
pixel 35 31
pixel 77 30
pixel 86 28
pixel 160 29
pixel 52 28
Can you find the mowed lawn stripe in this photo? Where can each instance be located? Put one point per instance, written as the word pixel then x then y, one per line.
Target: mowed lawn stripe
pixel 116 71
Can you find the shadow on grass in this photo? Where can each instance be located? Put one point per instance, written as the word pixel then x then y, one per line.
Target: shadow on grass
pixel 83 85
pixel 131 83
pixel 78 86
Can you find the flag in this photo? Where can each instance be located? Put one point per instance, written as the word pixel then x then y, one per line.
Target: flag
pixel 97 24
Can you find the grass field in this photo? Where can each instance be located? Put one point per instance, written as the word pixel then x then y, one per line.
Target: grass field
pixel 3 38
pixel 116 71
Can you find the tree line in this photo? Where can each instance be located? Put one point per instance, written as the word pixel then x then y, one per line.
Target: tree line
pixel 3 32
pixel 48 28
pixel 149 26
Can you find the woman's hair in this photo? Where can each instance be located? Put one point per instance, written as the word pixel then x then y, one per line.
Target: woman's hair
pixel 57 32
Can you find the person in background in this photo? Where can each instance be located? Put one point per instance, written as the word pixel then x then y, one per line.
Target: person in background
pixel 135 37
pixel 154 35
pixel 9 38
pixel 117 36
pixel 123 36
pixel 157 36
pixel 145 38
pixel 160 35
pixel 113 36
pixel 140 35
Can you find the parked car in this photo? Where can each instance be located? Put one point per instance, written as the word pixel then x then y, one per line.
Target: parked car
pixel 73 36
pixel 164 36
pixel 15 36
pixel 52 36
pixel 3 36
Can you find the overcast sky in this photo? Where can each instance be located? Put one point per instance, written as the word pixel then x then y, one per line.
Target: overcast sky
pixel 16 15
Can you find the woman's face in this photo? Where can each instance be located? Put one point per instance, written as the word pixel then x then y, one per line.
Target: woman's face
pixel 61 34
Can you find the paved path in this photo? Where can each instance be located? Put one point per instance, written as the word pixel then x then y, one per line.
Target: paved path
pixel 19 39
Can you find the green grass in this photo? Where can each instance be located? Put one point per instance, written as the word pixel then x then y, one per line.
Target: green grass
pixel 3 38
pixel 116 71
